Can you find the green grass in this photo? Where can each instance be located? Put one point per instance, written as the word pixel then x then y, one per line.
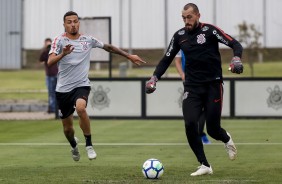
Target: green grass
pixel 258 142
pixel 15 83
pixel 266 69
pixel 22 79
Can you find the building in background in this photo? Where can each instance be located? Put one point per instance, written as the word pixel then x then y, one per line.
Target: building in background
pixel 11 32
pixel 135 24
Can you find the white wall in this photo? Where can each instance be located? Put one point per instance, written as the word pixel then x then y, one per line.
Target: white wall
pixel 44 18
pixel 274 23
pixel 107 99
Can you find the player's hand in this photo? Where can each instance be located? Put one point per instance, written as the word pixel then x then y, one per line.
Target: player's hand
pixel 236 65
pixel 151 84
pixel 136 59
pixel 68 49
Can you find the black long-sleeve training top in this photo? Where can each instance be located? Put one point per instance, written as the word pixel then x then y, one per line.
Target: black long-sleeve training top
pixel 201 50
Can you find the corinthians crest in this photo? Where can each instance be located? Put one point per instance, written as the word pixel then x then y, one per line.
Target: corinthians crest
pixel 100 99
pixel 275 98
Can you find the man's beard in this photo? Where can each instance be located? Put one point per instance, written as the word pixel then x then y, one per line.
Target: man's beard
pixel 74 33
pixel 192 27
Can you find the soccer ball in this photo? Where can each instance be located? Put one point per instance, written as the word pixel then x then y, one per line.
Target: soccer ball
pixel 152 169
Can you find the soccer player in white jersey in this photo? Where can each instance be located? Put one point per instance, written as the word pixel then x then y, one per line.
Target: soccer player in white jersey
pixel 71 52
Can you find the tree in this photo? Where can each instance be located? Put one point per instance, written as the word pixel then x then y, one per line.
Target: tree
pixel 249 37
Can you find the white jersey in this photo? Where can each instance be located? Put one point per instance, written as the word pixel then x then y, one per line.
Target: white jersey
pixel 74 67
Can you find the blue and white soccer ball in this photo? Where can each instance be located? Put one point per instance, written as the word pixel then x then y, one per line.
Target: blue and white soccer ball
pixel 152 169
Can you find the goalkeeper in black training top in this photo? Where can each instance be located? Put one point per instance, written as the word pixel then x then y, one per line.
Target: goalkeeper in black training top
pixel 203 80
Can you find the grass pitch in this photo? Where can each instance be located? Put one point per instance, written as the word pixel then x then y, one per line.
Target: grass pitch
pixel 30 84
pixel 37 152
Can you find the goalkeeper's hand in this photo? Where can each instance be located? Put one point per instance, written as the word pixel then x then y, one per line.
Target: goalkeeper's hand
pixel 151 84
pixel 236 65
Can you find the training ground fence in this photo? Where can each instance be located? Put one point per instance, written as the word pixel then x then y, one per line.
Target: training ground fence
pixel 125 98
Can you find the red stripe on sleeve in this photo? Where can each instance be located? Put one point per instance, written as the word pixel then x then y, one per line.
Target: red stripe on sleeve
pixel 225 35
pixel 53 47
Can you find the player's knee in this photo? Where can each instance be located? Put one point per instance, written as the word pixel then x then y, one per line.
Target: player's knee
pixel 68 129
pixel 80 110
pixel 80 107
pixel 190 127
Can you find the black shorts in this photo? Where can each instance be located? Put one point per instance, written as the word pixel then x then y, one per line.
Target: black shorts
pixel 66 101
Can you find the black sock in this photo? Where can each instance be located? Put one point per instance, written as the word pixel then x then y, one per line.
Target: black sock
pixel 88 140
pixel 206 164
pixel 73 143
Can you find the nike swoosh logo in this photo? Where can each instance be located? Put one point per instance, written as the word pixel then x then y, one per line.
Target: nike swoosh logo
pixel 217 100
pixel 183 41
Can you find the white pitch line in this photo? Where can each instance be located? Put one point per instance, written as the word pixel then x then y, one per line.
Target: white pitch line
pixel 131 144
pixel 229 181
